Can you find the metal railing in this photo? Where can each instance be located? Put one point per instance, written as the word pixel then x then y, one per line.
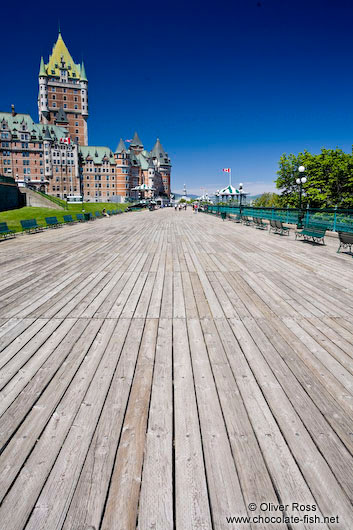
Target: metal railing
pixel 334 219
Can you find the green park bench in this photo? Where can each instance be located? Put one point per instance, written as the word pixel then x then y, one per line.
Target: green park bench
pixel 346 240
pixel 68 219
pixel 5 232
pixel 314 233
pixel 52 222
pixel 258 223
pixel 278 227
pixel 80 217
pixel 236 218
pixel 31 226
pixel 246 220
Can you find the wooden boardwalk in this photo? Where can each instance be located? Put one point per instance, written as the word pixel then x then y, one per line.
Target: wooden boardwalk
pixel 165 370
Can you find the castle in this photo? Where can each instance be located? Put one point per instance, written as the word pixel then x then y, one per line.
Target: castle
pixel 53 155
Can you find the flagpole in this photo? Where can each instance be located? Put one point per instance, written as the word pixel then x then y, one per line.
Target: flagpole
pixel 230 176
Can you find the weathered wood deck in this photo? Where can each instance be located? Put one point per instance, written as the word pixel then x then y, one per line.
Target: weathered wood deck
pixel 164 370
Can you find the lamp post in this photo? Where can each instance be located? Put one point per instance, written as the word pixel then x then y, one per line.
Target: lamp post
pixel 241 197
pixel 300 181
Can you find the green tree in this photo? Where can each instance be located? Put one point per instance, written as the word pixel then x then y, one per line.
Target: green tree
pixel 267 200
pixel 329 179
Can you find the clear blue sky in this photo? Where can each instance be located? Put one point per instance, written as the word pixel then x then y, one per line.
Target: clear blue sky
pixel 223 84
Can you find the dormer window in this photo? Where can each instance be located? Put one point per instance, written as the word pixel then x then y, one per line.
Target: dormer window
pixel 53 72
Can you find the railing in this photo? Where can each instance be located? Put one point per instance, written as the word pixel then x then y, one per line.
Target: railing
pixel 334 219
pixel 59 202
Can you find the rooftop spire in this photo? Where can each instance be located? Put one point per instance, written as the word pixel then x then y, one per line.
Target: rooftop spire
pixel 121 147
pixel 136 142
pixel 42 71
pixel 83 73
pixel 158 149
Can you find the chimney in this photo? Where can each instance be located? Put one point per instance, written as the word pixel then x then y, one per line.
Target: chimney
pixel 13 110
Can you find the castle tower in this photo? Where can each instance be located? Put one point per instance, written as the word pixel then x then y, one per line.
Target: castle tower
pixel 63 86
pixel 136 145
pixel 162 165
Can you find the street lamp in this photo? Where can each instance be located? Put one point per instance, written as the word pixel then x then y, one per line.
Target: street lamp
pixel 300 181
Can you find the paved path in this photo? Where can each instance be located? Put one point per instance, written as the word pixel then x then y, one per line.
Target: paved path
pixel 165 370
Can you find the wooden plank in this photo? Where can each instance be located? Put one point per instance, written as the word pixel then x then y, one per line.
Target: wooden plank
pixel 156 498
pixel 53 502
pixel 225 493
pixel 192 510
pixel 20 500
pixel 122 501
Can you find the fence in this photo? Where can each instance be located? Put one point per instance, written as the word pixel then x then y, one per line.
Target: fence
pixel 334 219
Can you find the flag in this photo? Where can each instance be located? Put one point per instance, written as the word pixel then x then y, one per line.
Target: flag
pixel 65 141
pixel 129 141
pixel 227 169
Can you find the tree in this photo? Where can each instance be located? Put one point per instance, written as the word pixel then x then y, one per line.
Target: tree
pixel 267 200
pixel 329 179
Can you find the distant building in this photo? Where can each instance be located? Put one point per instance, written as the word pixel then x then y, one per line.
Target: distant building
pixel 54 156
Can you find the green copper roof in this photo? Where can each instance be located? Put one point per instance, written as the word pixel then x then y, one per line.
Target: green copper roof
pixel 121 147
pixel 136 142
pixel 47 134
pixel 97 153
pixel 83 73
pixel 143 161
pixel 17 123
pixel 158 150
pixel 61 116
pixel 42 71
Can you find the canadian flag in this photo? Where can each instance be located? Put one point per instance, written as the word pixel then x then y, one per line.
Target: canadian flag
pixel 128 141
pixel 227 169
pixel 65 141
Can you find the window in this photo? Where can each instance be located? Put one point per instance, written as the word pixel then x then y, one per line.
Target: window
pixel 41 171
pixel 65 98
pixel 65 106
pixel 75 98
pixel 76 116
pixel 53 89
pixel 54 104
pixel 64 91
pixel 75 90
pixel 76 138
pixel 77 131
pixel 76 123
pixel 54 96
pixel 76 107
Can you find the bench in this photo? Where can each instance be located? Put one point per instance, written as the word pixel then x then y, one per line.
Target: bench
pixel 31 226
pixel 236 218
pixel 245 220
pixel 258 223
pixel 98 215
pixel 277 227
pixel 5 232
pixel 311 232
pixel 52 222
pixel 346 240
pixel 80 218
pixel 68 219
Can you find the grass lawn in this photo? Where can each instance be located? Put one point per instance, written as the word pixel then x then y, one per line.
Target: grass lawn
pixel 13 217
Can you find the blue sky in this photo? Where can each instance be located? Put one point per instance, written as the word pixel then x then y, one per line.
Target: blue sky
pixel 227 84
